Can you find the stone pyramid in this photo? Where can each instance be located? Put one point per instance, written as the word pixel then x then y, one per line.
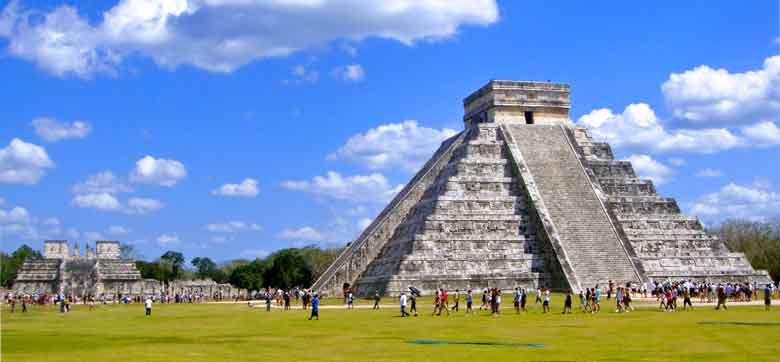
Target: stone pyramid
pixel 524 198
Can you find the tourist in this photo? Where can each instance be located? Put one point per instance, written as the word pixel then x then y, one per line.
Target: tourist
pixel 597 299
pixel 538 296
pixel 148 304
pixel 687 299
pixel 611 288
pixel 567 303
pixel 444 306
pixel 286 298
pixel 24 304
pixel 627 301
pixel 436 302
pixel 456 300
pixel 13 304
pixel 469 301
pixel 350 300
pixel 722 297
pixel 546 302
pixel 484 299
pixel 768 297
pixel 413 298
pixel 315 307
pixel 516 300
pixel 376 299
pixel 497 301
pixel 267 301
pixel 91 303
pixel 618 300
pixel 581 295
pixel 403 305
pixel 523 300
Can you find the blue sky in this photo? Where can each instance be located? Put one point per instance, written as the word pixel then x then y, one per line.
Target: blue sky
pixel 230 129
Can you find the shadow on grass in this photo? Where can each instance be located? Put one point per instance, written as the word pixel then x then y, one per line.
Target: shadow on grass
pixel 503 344
pixel 761 324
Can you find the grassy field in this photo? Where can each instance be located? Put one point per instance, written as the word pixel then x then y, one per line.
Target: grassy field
pixel 234 332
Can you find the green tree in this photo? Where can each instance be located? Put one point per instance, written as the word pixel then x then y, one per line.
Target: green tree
pixel 9 265
pixel 175 260
pixel 760 241
pixel 249 276
pixel 319 259
pixel 288 269
pixel 204 267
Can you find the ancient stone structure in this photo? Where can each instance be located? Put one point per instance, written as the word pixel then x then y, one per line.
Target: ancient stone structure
pixel 101 271
pixel 524 198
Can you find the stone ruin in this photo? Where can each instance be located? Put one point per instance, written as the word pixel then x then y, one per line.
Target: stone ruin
pixel 524 198
pixel 99 271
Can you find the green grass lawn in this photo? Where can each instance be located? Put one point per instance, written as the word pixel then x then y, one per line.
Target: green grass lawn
pixel 228 332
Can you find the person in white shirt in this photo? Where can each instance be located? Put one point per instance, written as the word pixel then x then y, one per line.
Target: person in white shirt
pixel 148 305
pixel 403 305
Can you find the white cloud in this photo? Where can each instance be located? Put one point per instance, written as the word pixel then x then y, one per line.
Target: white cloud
pixel 638 128
pixel 140 205
pixel 254 253
pixel 23 163
pixel 358 188
pixel 705 95
pixel 52 130
pixel 247 188
pixel 102 182
pixel 52 221
pixel 306 233
pixel 646 167
pixel 709 172
pixel 232 227
pixel 18 223
pixel 404 144
pixel 16 215
pixel 755 202
pixel 223 35
pixel 350 73
pixel 158 171
pixel 166 239
pixel 763 134
pixel 101 201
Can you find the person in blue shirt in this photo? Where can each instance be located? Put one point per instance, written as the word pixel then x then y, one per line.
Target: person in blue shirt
pixel 597 299
pixel 315 307
pixel 469 302
pixel 768 297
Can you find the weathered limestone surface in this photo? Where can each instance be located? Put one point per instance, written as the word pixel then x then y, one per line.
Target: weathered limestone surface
pixel 666 243
pixel 523 198
pixel 60 271
pixel 587 236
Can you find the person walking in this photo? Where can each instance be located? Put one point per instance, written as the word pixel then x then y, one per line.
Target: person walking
pixel 315 307
pixel 267 301
pixel 436 303
pixel 469 302
pixel 148 305
pixel 376 299
pixel 350 300
pixel 516 300
pixel 581 295
pixel 403 305
pixel 546 302
pixel 722 297
pixel 456 301
pixel 13 304
pixel 413 301
pixel 538 296
pixel 687 299
pixel 523 300
pixel 24 304
pixel 567 303
pixel 768 297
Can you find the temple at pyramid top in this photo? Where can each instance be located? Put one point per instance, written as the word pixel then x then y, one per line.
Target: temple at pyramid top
pixel 518 102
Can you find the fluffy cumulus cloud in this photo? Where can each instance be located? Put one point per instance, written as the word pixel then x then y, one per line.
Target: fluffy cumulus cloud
pixel 306 233
pixel 646 167
pixel 52 130
pixel 101 201
pixel 198 32
pixel 406 144
pixel 23 163
pixel 101 192
pixel 755 201
pixel 358 188
pixel 247 188
pixel 232 227
pixel 763 134
pixel 638 128
pixel 706 96
pixel 17 223
pixel 160 171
